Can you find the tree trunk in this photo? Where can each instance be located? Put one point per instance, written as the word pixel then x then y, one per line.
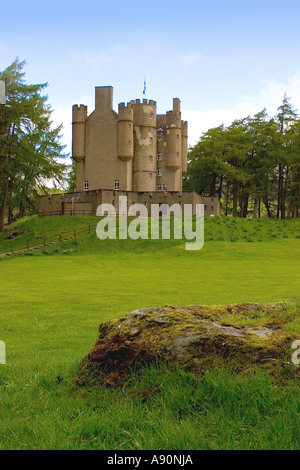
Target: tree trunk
pixel 226 200
pixel 267 204
pixel 4 202
pixel 245 205
pixel 279 191
pixel 220 187
pixel 6 187
pixel 213 185
pixel 284 191
pixel 235 200
pixel 255 209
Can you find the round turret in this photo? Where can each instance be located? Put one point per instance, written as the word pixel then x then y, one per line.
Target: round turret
pixel 184 145
pixel 145 146
pixel 125 132
pixel 78 132
pixel 173 140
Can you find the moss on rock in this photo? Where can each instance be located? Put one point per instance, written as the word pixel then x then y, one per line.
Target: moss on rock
pixel 239 336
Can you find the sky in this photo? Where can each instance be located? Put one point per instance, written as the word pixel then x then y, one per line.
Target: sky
pixel 224 59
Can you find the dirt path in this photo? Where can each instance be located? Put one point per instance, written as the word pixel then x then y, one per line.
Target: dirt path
pixel 38 247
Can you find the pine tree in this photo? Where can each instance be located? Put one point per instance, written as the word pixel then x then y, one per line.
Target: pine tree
pixel 29 145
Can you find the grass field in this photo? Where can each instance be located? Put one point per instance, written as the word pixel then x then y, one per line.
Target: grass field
pixel 52 302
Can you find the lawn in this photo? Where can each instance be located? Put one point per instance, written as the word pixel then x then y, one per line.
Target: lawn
pixel 53 301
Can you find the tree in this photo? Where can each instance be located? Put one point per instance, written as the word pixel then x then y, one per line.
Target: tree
pixel 255 160
pixel 30 146
pixel 286 117
pixel 72 177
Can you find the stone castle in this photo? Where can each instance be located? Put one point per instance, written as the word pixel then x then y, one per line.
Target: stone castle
pixel 135 152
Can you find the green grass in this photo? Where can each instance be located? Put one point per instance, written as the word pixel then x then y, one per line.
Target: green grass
pixel 52 301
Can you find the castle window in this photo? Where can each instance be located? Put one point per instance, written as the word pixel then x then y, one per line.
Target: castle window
pixel 159 172
pixel 150 176
pixel 86 186
pixel 164 187
pixel 129 126
pixel 151 140
pixel 116 185
pixel 159 187
pixel 159 156
pixel 177 136
pixel 150 158
pixel 151 115
pixel 177 154
pixel 160 134
pixel 129 143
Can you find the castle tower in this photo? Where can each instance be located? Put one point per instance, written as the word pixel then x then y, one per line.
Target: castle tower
pixel 184 145
pixel 125 142
pixel 145 146
pixel 173 137
pixel 79 118
pixel 132 150
pixel 125 132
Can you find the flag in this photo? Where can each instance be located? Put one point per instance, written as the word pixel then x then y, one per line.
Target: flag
pixel 144 92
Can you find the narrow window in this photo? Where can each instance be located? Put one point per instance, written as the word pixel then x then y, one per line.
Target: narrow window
pixel 159 156
pixel 160 134
pixel 177 136
pixel 164 187
pixel 150 158
pixel 159 187
pixel 116 184
pixel 150 176
pixel 151 115
pixel 129 143
pixel 151 140
pixel 86 186
pixel 158 172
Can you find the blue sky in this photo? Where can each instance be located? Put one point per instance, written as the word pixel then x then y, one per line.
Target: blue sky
pixel 223 59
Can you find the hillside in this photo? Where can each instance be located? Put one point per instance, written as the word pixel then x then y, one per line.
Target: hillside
pixel 53 300
pixel 32 231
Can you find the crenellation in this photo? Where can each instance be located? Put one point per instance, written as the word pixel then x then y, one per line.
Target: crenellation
pixel 120 151
pixel 135 152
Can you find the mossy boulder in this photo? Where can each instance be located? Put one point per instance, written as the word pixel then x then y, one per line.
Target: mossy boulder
pixel 239 336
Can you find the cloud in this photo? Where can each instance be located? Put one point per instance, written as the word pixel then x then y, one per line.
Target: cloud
pixel 189 59
pixel 97 59
pixel 269 96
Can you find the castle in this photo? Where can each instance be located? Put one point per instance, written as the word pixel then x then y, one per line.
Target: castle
pixel 135 152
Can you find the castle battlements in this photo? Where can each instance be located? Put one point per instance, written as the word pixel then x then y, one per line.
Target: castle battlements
pixel 135 153
pixel 132 150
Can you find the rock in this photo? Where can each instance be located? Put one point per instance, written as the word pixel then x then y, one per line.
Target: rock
pixel 195 337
